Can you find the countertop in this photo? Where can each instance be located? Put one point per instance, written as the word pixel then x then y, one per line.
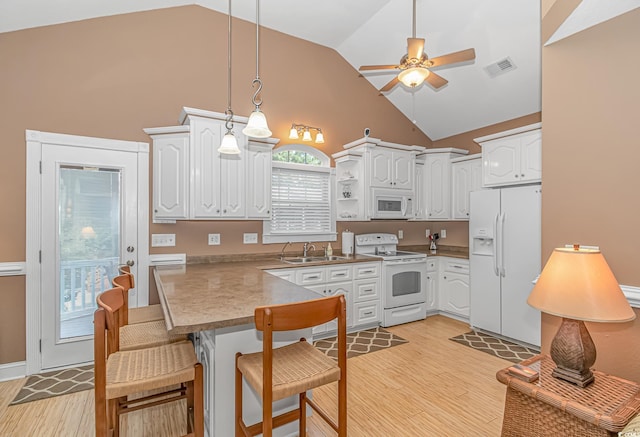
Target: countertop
pixel 215 292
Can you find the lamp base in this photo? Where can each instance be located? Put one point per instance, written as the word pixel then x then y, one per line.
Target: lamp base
pixel 574 353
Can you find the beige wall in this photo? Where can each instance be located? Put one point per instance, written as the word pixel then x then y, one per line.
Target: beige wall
pixel 590 108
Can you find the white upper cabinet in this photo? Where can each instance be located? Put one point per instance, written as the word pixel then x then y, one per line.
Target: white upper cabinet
pixel 170 173
pixel 193 181
pixel 513 157
pixel 391 168
pixel 466 176
pixel 437 169
pixel 420 196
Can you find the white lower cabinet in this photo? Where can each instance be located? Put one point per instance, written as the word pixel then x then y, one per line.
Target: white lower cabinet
pixel 432 285
pixel 358 282
pixel 453 287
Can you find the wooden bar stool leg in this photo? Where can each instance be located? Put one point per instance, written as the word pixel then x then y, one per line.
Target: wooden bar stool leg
pixel 238 408
pixel 198 402
pixel 303 414
pixel 113 417
pixel 190 411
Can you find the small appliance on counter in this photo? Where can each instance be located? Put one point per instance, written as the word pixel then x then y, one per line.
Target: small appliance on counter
pixel 347 243
pixel 404 278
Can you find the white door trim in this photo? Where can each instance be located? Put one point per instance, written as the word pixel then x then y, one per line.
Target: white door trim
pixel 34 140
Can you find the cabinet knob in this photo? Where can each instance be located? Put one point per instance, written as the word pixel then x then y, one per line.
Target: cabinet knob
pixel 217 211
pixel 522 174
pixel 155 210
pixel 268 212
pixel 517 175
pixel 444 277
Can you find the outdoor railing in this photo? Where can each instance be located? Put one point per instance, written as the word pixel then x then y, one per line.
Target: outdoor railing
pixel 81 282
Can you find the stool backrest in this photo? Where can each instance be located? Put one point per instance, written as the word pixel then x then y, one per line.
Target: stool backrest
pixel 124 281
pixel 111 303
pixel 299 315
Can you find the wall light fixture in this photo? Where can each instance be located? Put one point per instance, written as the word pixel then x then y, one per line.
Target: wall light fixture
pixel 297 129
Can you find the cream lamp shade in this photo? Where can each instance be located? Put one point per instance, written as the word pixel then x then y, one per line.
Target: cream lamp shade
pixel 229 145
pixel 580 285
pixel 257 125
pixel 414 76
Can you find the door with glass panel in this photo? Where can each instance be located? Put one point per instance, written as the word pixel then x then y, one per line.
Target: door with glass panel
pixel 89 227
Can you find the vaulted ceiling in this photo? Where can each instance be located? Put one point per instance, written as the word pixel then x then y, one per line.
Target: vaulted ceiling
pixel 368 32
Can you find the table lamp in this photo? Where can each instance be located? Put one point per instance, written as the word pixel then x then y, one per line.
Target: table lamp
pixel 578 285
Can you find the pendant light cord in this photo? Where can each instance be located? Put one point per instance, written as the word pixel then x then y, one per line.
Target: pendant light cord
pixel 229 113
pixel 257 102
pixel 413 33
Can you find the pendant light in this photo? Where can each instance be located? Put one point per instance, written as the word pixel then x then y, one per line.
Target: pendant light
pixel 257 125
pixel 229 145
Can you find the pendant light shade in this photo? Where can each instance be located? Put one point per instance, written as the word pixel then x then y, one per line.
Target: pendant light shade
pixel 229 145
pixel 257 125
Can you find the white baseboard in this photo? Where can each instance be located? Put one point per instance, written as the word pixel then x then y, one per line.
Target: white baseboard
pixel 13 370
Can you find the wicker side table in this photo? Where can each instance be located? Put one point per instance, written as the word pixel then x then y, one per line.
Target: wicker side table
pixel 550 406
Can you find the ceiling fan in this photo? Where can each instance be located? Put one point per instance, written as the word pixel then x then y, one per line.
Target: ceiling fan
pixel 415 65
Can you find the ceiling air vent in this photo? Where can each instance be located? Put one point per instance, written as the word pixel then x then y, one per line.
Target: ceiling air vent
pixel 501 67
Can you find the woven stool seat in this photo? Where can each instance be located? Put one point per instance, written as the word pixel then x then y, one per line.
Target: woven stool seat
pixel 145 314
pixel 149 334
pixel 297 367
pixel 148 369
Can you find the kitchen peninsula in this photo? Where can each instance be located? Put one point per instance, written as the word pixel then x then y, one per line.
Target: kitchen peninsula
pixel 216 302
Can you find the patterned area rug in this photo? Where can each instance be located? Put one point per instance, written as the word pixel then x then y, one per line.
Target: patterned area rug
pixel 57 383
pixel 495 346
pixel 360 343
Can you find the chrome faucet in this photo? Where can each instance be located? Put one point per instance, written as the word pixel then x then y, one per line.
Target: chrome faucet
pixel 285 246
pixel 306 248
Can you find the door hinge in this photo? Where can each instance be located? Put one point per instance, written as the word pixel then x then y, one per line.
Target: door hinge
pixel 40 345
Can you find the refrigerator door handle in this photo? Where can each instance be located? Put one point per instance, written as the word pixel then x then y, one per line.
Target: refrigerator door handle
pixel 495 246
pixel 502 270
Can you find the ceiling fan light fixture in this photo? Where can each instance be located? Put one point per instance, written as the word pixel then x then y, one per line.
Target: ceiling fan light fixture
pixel 414 76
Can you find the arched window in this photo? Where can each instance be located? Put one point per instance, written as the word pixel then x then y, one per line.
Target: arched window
pixel 301 196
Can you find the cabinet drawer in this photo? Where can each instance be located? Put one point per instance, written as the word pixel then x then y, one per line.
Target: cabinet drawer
pixel 459 266
pixel 310 276
pixel 432 265
pixel 366 270
pixel 286 274
pixel 341 272
pixel 365 290
pixel 366 312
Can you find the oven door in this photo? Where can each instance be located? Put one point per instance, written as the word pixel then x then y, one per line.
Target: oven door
pixel 405 282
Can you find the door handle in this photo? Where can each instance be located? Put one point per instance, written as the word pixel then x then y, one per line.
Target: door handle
pixel 130 249
pixel 130 263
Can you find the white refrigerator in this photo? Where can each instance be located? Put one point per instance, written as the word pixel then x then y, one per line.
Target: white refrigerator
pixel 504 260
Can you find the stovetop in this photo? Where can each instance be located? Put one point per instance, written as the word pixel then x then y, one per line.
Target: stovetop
pixel 383 246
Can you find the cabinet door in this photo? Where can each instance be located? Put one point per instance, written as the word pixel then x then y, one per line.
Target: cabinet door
pixel 259 182
pixel 432 290
pixel 531 156
pixel 171 176
pixel 461 186
pixel 232 180
pixel 381 168
pixel 438 187
pixel 403 170
pixel 476 174
pixel 501 162
pixel 205 168
pixel 421 201
pixel 456 293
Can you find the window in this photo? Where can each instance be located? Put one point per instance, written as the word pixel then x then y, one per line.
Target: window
pixel 301 197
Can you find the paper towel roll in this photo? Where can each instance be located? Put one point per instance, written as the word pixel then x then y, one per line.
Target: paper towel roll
pixel 347 243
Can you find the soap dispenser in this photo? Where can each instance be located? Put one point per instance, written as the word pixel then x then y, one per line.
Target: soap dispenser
pixel 329 250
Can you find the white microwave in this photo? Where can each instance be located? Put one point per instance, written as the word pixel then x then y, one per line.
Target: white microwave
pixel 392 204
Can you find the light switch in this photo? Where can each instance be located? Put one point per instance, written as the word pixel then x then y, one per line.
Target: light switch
pixel 400 234
pixel 250 238
pixel 163 240
pixel 443 233
pixel 214 239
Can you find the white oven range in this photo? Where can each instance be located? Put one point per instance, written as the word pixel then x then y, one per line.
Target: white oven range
pixel 404 278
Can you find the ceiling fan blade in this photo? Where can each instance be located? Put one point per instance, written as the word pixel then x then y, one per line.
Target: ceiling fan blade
pixel 436 81
pixel 452 58
pixel 393 82
pixel 378 67
pixel 415 48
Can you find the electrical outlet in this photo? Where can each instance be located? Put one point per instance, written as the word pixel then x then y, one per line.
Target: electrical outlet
pixel 163 240
pixel 400 234
pixel 250 238
pixel 427 233
pixel 443 233
pixel 214 239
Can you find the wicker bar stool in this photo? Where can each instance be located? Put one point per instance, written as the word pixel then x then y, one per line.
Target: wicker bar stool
pixel 140 335
pixel 293 369
pixel 119 374
pixel 132 316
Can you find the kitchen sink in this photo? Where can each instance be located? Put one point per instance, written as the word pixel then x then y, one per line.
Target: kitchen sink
pixel 308 259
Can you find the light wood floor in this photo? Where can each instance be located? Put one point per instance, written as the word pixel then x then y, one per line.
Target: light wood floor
pixel 427 387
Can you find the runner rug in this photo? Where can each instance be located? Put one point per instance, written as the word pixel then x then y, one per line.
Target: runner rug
pixel 57 383
pixel 495 346
pixel 360 343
